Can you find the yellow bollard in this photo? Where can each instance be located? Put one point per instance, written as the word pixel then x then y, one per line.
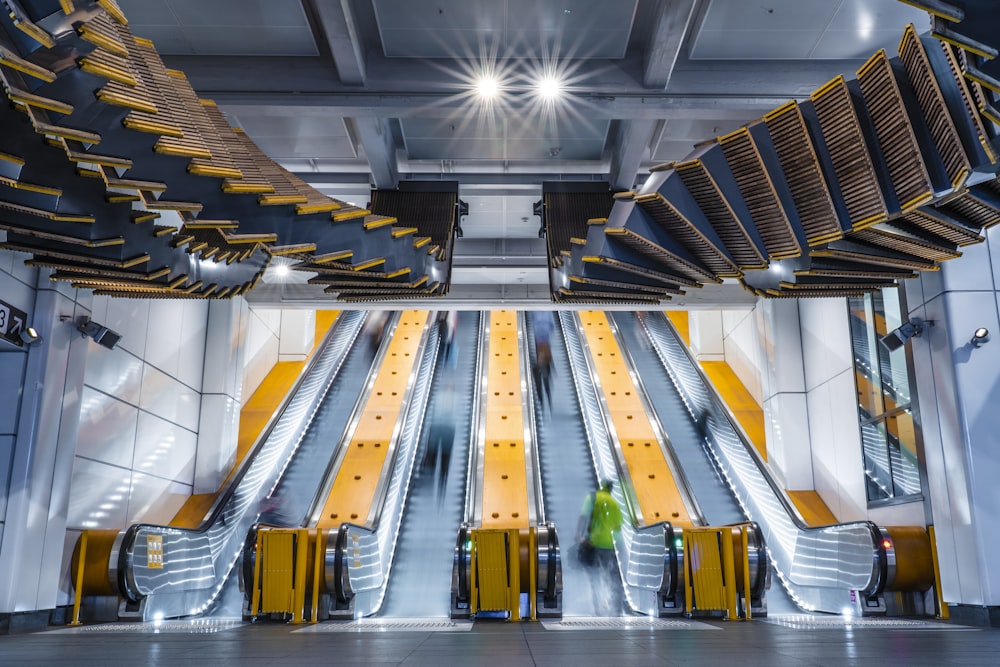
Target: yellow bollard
pixel 255 596
pixel 533 572
pixel 80 568
pixel 745 542
pixel 317 573
pixel 943 611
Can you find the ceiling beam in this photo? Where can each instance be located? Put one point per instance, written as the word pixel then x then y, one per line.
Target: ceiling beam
pixel 631 149
pixel 339 30
pixel 375 139
pixel 407 88
pixel 673 20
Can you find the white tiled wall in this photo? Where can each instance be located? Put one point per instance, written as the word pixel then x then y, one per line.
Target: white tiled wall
pixel 742 349
pixel 139 416
pixel 262 347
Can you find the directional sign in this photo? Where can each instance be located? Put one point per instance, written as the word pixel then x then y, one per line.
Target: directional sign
pixel 12 323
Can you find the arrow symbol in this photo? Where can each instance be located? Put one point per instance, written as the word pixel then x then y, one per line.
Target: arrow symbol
pixel 15 330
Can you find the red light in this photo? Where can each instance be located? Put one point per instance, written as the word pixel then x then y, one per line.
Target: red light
pixel 886 544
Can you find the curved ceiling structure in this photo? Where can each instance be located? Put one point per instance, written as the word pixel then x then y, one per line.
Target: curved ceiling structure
pixel 121 176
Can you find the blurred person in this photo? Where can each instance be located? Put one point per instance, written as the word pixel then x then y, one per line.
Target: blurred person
pixel 600 524
pixel 542 368
pixel 441 437
pixel 374 328
pixel 448 325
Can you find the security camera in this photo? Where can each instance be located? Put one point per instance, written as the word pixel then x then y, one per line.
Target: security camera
pixel 99 333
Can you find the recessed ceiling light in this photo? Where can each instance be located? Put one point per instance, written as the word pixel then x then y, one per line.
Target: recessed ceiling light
pixel 549 87
pixel 281 270
pixel 487 87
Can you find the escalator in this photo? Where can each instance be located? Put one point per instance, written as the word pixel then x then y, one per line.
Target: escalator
pixel 421 574
pixel 827 568
pixel 567 476
pixel 701 475
pixel 166 572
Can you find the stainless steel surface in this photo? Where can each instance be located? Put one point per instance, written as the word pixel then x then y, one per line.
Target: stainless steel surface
pixel 820 567
pixel 196 563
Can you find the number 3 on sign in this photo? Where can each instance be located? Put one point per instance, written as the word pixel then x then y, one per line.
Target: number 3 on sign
pixel 4 319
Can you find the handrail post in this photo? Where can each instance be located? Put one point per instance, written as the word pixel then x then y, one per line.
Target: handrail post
pixel 317 573
pixel 514 573
pixel 533 572
pixel 688 574
pixel 80 568
pixel 257 565
pixel 943 611
pixel 299 587
pixel 729 572
pixel 745 544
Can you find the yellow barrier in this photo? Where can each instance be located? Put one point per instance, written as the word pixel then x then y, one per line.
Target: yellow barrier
pixel 496 578
pixel 710 580
pixel 282 574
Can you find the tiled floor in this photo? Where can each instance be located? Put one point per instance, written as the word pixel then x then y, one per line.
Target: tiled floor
pixel 496 644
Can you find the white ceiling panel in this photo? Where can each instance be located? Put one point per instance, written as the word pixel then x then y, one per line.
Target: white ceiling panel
pixel 801 29
pixel 223 27
pixel 501 217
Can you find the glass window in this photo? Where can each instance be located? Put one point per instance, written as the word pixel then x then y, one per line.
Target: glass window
pixel 888 436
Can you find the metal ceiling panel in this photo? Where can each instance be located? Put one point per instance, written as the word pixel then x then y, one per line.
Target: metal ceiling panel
pixel 800 29
pixel 568 138
pixel 504 28
pixel 223 27
pixel 296 135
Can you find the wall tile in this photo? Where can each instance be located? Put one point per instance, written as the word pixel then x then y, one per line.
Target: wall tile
pixel 218 434
pixel 107 429
pixel 12 362
pixel 706 335
pixel 167 398
pixel 787 430
pixel 782 358
pixel 155 500
pixel 128 317
pixel 164 449
pixel 99 495
pixel 6 460
pixel 163 335
pixel 191 355
pixel 826 339
pixel 298 329
pixel 114 372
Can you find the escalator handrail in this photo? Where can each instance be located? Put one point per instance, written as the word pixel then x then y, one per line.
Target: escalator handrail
pixel 477 426
pixel 212 515
pixel 536 500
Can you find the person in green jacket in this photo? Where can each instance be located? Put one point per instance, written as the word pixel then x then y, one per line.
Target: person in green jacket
pixel 604 520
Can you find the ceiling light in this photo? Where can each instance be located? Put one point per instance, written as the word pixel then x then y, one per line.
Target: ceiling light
pixel 487 87
pixel 281 270
pixel 980 337
pixel 549 87
pixel 29 336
